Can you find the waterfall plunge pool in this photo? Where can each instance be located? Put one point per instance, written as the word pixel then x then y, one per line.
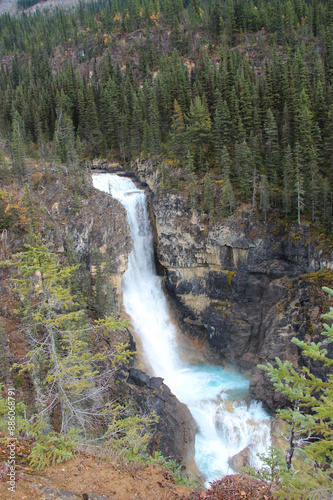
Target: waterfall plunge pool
pixel 216 397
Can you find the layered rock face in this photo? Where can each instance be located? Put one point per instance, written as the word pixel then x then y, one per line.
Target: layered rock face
pixel 235 283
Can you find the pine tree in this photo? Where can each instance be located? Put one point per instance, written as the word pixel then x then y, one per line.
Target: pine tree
pixel 146 139
pixel 304 125
pixel 271 143
pixel 244 168
pixel 189 163
pixel 123 137
pixel 228 200
pixel 225 162
pixel 136 128
pixel 208 195
pixel 326 204
pixel 288 183
pixel 93 135
pixel 314 185
pixel 61 359
pixel 264 196
pixel 299 180
pixel 221 128
pixel 328 144
pixel 309 416
pixel 178 137
pixel 64 139
pixel 155 129
pixel 199 123
pixel 17 147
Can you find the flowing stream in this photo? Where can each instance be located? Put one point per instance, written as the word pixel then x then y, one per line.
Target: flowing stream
pixel 216 397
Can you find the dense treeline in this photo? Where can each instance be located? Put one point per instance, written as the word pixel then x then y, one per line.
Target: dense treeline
pixel 236 92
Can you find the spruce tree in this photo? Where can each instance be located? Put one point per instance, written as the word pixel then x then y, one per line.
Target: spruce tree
pixel 178 136
pixel 299 180
pixel 18 147
pixel 199 122
pixel 221 127
pixel 228 200
pixel 225 162
pixel 288 184
pixel 64 139
pixel 264 196
pixel 309 416
pixel 271 144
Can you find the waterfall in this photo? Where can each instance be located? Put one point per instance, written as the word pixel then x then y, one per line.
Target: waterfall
pixel 215 396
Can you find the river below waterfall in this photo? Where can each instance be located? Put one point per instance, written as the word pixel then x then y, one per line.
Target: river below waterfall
pixel 217 398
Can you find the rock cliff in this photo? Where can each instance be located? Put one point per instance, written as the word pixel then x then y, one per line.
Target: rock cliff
pixel 238 283
pixel 95 222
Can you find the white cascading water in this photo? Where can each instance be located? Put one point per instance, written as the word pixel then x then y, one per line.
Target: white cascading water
pixel 226 424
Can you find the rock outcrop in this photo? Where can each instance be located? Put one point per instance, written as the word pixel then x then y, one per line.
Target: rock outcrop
pixel 241 460
pixel 174 432
pixel 95 222
pixel 236 283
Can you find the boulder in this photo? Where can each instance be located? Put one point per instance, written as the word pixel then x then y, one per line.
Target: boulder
pixel 242 459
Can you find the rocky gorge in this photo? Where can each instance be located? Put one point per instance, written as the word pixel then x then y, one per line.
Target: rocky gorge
pixel 241 288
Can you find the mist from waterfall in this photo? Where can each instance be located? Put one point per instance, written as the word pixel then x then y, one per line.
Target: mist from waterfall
pixel 215 396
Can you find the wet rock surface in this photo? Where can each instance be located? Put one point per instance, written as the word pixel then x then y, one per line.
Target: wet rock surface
pixel 174 433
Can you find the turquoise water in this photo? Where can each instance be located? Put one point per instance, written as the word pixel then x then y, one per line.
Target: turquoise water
pixel 227 421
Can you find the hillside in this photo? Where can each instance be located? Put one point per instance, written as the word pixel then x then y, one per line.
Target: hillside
pixel 15 7
pixel 243 104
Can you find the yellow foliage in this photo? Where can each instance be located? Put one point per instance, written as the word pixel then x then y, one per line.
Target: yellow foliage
pixel 14 207
pixel 155 17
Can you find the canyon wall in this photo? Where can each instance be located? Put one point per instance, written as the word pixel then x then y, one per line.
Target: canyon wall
pixel 239 286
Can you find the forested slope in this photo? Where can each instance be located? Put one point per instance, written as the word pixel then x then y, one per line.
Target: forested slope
pixel 238 93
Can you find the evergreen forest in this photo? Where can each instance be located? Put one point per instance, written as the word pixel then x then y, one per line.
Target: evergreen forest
pixel 237 94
